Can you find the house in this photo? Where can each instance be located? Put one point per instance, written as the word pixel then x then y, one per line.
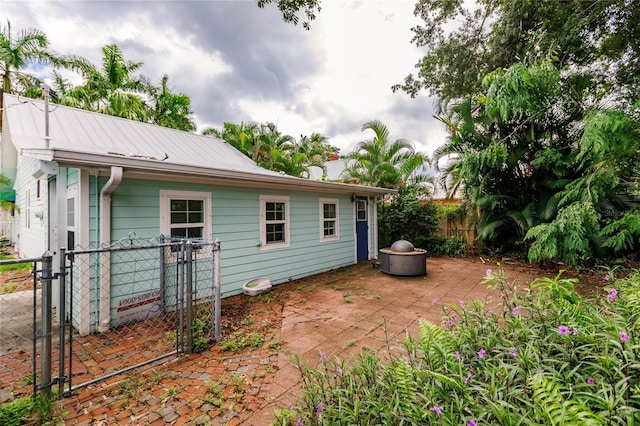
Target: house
pixel 84 179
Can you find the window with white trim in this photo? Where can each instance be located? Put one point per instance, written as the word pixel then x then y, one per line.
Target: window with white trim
pixel 27 209
pixel 71 223
pixel 329 219
pixel 185 214
pixel 274 222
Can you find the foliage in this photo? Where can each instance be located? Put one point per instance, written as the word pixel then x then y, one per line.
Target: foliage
pixel 27 410
pixel 465 41
pixel 269 148
pixel 546 356
pixel 291 8
pixel 407 217
pixel 413 218
pixel 239 342
pixel 202 328
pixel 113 88
pixel 542 169
pixel 17 52
pixel 385 163
pixel 14 413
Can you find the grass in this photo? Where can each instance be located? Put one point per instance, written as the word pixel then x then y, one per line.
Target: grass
pixel 13 266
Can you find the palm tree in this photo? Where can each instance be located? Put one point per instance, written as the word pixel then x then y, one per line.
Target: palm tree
pixel 241 136
pixel 381 162
pixel 271 139
pixel 296 164
pixel 29 46
pixel 113 89
pixel 170 109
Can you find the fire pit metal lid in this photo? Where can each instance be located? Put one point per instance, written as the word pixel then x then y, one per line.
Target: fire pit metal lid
pixel 402 246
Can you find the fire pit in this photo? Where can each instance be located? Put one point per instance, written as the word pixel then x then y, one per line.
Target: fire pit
pixel 402 258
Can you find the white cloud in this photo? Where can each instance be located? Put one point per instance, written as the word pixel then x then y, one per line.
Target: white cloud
pixel 241 63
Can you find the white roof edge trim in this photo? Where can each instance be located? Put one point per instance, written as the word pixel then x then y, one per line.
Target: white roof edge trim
pixel 67 158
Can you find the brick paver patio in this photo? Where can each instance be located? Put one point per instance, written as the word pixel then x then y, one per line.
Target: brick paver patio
pixel 337 313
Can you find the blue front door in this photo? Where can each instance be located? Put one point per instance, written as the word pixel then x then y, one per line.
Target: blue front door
pixel 362 229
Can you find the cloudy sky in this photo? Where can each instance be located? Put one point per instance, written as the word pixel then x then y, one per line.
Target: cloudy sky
pixel 238 62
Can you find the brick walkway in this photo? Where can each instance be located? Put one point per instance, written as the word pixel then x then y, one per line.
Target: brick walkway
pixel 337 313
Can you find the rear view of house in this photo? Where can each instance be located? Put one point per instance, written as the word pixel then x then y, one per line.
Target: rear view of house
pixel 86 180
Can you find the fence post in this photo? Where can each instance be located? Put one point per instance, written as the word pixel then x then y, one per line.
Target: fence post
pixel 189 276
pixel 46 314
pixel 180 304
pixel 62 283
pixel 216 289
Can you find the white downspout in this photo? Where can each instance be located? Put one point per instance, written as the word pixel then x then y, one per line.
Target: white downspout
pixel 104 322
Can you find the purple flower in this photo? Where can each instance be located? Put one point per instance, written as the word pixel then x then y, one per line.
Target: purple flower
pixel 299 422
pixel 449 323
pixel 320 408
pixel 471 423
pixel 433 302
pixel 457 356
pixel 612 294
pixel 489 272
pixel 575 331
pixel 481 353
pixel 607 277
pixel 516 310
pixel 469 376
pixel 406 358
pixel 323 356
pixel 624 337
pixel 513 353
pixel 455 316
pixel 461 303
pixel 563 329
pixel 438 409
pixel 590 380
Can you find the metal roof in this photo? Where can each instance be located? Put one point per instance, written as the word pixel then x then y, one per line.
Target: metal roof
pixel 79 138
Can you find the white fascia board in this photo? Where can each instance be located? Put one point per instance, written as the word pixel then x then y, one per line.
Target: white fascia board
pixel 154 168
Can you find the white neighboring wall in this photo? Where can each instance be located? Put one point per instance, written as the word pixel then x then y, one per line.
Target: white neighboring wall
pixel 30 224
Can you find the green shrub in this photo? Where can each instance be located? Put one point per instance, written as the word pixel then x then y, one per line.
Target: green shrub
pixel 409 218
pixel 16 412
pixel 545 356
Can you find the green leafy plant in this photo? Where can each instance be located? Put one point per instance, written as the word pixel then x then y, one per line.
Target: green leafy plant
pixel 16 412
pixel 546 355
pixel 238 342
pixel 201 328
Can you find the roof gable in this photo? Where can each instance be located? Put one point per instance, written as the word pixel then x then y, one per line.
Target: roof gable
pixel 81 131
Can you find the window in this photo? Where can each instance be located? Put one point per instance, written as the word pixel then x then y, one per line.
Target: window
pixel 71 223
pixel 274 222
pixel 185 214
pixel 361 210
pixel 38 189
pixel 329 224
pixel 27 209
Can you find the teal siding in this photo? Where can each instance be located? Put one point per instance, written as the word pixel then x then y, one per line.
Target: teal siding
pixel 95 183
pixel 236 223
pixel 72 177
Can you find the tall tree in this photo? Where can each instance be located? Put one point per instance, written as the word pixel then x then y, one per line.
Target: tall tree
pixel 385 163
pixel 465 41
pixel 16 53
pixel 114 88
pixel 544 168
pixel 170 109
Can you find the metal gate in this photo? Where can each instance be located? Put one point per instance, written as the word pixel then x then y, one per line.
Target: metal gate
pixel 121 307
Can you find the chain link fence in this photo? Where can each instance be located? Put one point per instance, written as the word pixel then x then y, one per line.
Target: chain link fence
pixel 20 324
pixel 108 311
